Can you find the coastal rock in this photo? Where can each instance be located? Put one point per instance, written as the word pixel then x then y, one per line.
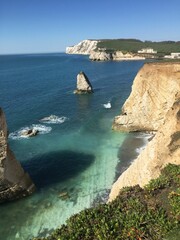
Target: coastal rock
pixel 83 84
pixel 157 91
pixel 30 133
pixel 84 47
pixel 120 56
pixel 100 56
pixel 14 182
pixel 154 91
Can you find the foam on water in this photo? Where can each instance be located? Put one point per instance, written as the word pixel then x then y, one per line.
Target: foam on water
pixel 146 138
pixel 53 119
pixel 42 129
pixel 107 105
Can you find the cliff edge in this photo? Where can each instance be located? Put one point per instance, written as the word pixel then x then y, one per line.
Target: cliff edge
pixel 155 89
pixel 14 182
pixel 84 47
pixel 153 105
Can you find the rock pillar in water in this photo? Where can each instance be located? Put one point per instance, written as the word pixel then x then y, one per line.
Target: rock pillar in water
pixel 14 182
pixel 83 84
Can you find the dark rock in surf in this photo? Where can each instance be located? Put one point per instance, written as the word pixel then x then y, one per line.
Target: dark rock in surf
pixel 30 133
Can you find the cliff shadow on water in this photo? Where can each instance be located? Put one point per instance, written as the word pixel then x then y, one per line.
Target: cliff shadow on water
pixel 57 166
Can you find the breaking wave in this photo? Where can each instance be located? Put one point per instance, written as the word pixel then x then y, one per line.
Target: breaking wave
pixel 53 119
pixel 107 105
pixel 19 133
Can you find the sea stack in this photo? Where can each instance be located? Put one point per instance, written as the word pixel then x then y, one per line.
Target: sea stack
pixel 83 84
pixel 14 182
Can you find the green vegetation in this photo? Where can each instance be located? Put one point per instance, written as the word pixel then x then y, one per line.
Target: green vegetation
pixel 151 213
pixel 133 45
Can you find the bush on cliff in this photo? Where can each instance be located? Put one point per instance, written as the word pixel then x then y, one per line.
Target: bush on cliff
pixel 150 213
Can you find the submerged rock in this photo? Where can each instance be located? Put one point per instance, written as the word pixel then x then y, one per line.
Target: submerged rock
pixel 83 84
pixel 64 195
pixel 14 182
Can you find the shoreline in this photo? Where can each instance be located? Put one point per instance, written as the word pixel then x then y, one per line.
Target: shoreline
pixel 133 144
pixel 130 149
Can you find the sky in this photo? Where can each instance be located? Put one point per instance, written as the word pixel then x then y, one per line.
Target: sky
pixel 40 26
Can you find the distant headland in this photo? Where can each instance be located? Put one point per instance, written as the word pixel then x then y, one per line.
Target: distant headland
pixel 126 49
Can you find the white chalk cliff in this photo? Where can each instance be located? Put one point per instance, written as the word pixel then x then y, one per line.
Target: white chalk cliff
pixel 89 47
pixel 153 105
pixel 14 182
pixel 84 47
pixel 100 55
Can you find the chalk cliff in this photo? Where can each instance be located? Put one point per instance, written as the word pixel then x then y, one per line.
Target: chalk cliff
pixel 14 182
pixel 89 47
pixel 155 89
pixel 84 47
pixel 100 55
pixel 153 105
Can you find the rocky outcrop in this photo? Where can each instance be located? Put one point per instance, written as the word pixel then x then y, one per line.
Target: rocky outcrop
pixel 14 182
pixel 156 90
pixel 83 84
pixel 89 47
pixel 30 133
pixel 100 55
pixel 85 47
pixel 120 56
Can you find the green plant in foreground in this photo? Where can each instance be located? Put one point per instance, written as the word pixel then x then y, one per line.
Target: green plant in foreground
pixel 150 213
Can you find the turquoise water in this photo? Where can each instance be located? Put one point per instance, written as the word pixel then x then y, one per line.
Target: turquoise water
pixel 76 152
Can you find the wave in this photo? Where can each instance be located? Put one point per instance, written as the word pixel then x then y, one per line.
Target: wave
pixel 53 119
pixel 107 105
pixel 19 133
pixel 146 138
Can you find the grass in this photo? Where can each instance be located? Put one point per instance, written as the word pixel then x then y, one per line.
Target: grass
pixel 151 213
pixel 133 45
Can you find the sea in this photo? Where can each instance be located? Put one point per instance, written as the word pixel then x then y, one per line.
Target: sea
pixel 76 156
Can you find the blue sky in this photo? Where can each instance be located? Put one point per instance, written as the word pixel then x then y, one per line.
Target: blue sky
pixel 35 26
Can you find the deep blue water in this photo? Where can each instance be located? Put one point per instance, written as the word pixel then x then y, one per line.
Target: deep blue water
pixel 79 153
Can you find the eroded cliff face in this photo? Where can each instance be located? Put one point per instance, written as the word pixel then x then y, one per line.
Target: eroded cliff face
pixel 99 55
pixel 157 91
pixel 14 182
pixel 156 87
pixel 85 47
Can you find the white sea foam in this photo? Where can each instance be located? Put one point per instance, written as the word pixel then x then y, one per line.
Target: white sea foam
pixel 19 133
pixel 53 119
pixel 107 105
pixel 139 150
pixel 146 138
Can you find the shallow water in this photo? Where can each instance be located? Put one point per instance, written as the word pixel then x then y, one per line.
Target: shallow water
pixel 77 153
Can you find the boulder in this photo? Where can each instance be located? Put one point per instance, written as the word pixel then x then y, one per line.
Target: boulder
pixel 83 84
pixel 14 182
pixel 30 132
